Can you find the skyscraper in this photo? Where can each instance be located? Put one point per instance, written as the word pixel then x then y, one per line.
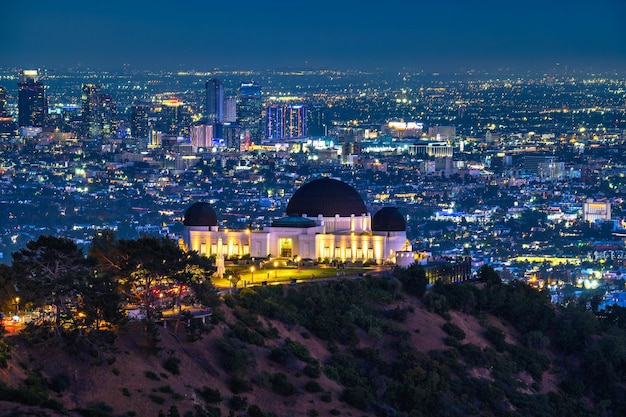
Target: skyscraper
pixel 92 122
pixel 31 99
pixel 3 101
pixel 318 125
pixel 215 101
pixel 249 112
pixel 296 120
pixel 286 122
pixel 139 121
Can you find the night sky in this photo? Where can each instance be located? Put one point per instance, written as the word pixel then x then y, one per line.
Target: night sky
pixel 443 35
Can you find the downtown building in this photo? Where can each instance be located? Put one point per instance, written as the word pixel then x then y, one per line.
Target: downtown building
pixel 286 121
pixel 31 100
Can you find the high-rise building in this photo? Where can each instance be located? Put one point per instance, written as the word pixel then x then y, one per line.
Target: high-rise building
pixel 286 122
pixel 230 110
pixel 275 122
pixel 108 116
pixel 317 126
pixel 91 114
pixel 249 112
pixel 7 125
pixel 31 99
pixel 215 101
pixel 296 119
pixel 139 121
pixel 3 101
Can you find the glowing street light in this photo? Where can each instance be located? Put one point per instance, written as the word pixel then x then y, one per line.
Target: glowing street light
pixel 252 274
pixel 17 306
pixel 298 263
pixel 275 270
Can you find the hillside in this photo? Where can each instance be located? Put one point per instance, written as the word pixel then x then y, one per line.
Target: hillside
pixel 347 348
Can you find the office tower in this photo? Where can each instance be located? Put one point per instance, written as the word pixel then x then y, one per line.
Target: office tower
pixel 31 99
pixel 7 125
pixel 296 119
pixel 108 116
pixel 139 121
pixel 249 112
pixel 3 101
pixel 91 113
pixel 275 122
pixel 215 101
pixel 318 125
pixel 201 136
pixel 286 122
pixel 230 110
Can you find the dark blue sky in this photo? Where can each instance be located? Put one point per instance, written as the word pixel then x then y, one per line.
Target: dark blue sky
pixel 441 35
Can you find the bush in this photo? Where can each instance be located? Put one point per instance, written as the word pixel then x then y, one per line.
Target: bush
pixel 326 397
pixel 171 365
pixel 281 385
pixel 237 403
pixel 496 336
pixel 151 375
pixel 453 330
pixel 238 385
pixel 209 395
pixel 157 399
pixel 358 397
pixel 312 371
pixel 60 382
pixel 313 386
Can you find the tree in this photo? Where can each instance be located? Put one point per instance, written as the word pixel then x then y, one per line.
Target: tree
pixel 50 271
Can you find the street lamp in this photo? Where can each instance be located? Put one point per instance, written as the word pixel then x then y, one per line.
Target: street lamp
pixel 252 274
pixel 17 306
pixel 230 279
pixel 275 270
pixel 298 263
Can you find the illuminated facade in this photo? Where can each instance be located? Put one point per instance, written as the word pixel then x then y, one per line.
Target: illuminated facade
pixel 31 100
pixel 596 210
pixel 249 112
pixel 310 230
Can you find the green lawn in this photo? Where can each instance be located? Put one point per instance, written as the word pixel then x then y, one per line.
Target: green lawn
pixel 283 274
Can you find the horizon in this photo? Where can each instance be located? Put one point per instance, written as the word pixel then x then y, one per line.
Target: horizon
pixel 444 37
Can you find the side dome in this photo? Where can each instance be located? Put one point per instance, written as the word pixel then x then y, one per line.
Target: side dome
pixel 388 219
pixel 200 214
pixel 327 197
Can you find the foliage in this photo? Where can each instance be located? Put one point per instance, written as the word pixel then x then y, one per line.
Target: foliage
pixel 453 330
pixel 171 364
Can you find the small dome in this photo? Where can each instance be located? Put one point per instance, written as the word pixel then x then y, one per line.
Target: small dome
pixel 327 197
pixel 200 214
pixel 388 219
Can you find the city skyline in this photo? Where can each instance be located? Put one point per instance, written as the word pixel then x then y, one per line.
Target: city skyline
pixel 435 37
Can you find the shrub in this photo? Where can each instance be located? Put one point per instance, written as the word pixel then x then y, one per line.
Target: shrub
pixel 496 336
pixel 358 397
pixel 326 397
pixel 238 385
pixel 210 395
pixel 125 392
pixel 60 382
pixel 453 330
pixel 237 403
pixel 157 399
pixel 151 375
pixel 171 365
pixel 298 350
pixel 281 385
pixel 312 371
pixel 313 386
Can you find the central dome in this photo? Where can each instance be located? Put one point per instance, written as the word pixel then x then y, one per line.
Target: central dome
pixel 327 197
pixel 200 214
